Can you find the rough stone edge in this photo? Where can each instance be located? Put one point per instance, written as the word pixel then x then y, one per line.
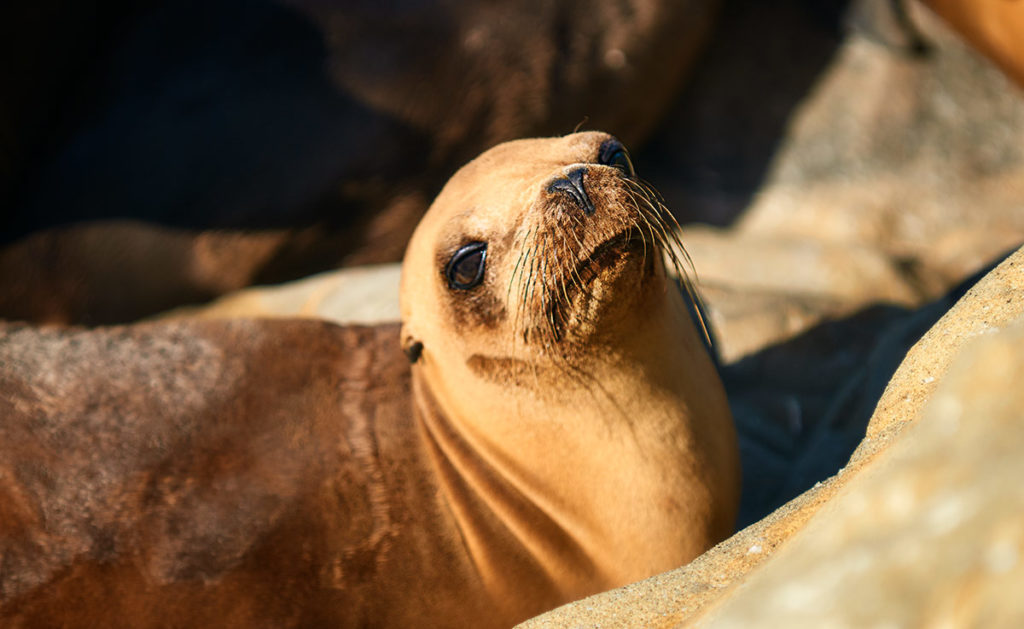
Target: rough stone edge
pixel 806 555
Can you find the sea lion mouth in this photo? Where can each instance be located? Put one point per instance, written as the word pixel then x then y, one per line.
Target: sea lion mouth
pixel 611 254
pixel 572 290
pixel 607 261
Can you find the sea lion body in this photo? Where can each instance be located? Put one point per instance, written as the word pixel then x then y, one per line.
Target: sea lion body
pixel 218 473
pixel 554 428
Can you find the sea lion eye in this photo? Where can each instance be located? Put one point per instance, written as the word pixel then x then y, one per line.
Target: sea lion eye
pixel 466 268
pixel 614 154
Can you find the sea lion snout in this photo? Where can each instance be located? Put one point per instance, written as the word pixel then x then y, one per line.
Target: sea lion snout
pixel 573 185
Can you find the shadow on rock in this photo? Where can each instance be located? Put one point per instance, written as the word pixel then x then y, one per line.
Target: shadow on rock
pixel 801 407
pixel 712 154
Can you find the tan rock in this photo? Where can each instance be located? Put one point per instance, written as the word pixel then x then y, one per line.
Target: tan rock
pixel 747 320
pixel 366 295
pixel 895 177
pixel 920 158
pixel 845 273
pixel 763 289
pixel 932 533
pixel 986 308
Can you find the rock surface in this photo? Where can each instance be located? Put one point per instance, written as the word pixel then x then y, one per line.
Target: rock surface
pixel 366 294
pixel 920 157
pixel 854 147
pixel 931 533
pixel 918 160
pixel 765 289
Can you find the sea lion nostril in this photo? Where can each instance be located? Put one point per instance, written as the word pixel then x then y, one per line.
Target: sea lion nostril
pixel 572 184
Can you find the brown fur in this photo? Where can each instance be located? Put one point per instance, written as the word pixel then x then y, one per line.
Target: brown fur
pixel 293 474
pixel 231 474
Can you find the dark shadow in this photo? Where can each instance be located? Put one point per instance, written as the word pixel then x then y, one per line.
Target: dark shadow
pixel 209 115
pixel 49 50
pixel 712 152
pixel 801 407
pixel 220 114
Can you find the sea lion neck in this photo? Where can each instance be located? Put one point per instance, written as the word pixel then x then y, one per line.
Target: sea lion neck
pixel 615 429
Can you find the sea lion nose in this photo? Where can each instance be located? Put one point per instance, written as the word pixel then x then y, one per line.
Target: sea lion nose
pixel 572 185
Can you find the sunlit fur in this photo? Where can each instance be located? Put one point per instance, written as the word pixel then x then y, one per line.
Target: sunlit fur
pixel 545 283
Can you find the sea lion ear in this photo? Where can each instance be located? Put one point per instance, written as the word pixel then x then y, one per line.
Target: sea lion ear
pixel 411 348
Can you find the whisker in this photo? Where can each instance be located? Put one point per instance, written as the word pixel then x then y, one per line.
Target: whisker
pixel 519 261
pixel 686 271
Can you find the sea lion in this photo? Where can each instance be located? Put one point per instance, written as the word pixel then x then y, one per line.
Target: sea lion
pixel 544 425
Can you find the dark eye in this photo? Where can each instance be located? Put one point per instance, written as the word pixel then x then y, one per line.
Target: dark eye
pixel 466 268
pixel 614 154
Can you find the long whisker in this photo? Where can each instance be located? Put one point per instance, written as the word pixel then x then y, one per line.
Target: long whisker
pixel 670 230
pixel 519 261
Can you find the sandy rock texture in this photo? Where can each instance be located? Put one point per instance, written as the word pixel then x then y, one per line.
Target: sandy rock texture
pixel 365 294
pixel 928 531
pixel 898 175
pixel 896 150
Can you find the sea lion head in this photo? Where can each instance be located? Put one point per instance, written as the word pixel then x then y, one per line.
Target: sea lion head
pixel 538 252
pixel 544 331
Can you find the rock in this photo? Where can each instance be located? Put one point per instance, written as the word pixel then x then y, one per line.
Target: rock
pixel 723 577
pixel 843 273
pixel 763 289
pixel 932 533
pixel 986 308
pixel 801 406
pixel 920 157
pixel 367 295
pixel 856 145
pixel 710 156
